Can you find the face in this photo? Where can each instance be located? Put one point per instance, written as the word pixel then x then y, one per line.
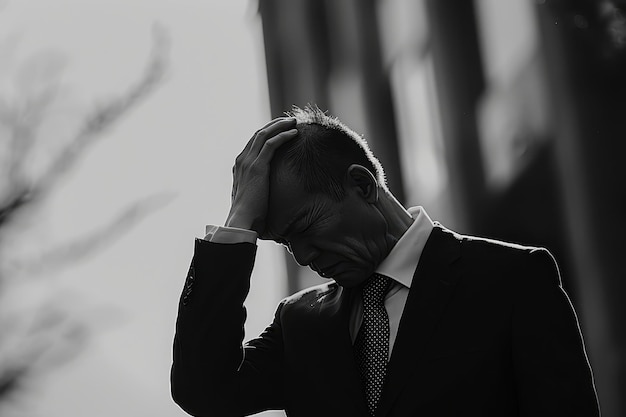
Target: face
pixel 343 240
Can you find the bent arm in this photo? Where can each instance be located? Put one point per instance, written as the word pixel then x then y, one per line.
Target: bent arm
pixel 552 371
pixel 212 373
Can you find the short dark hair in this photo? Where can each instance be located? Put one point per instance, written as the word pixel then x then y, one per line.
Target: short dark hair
pixel 322 152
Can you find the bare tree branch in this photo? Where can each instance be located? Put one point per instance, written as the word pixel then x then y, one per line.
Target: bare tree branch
pixel 16 201
pixel 106 115
pixel 24 122
pixel 45 336
pixel 24 118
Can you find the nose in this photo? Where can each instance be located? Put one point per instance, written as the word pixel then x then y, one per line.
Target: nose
pixel 304 253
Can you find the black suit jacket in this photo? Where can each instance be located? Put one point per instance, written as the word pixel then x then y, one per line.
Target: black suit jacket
pixel 487 330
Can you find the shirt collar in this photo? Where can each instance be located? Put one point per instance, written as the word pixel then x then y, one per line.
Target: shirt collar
pixel 402 261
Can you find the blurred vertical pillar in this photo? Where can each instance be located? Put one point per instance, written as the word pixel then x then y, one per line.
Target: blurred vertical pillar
pixel 328 53
pixel 585 49
pixel 459 82
pixel 359 86
pixel 296 53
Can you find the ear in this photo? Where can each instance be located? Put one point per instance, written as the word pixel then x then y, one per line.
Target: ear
pixel 363 181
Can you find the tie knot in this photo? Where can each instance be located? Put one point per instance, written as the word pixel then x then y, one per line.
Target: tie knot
pixel 375 289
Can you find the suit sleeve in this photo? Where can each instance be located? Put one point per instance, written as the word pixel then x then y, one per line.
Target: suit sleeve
pixel 212 373
pixel 553 376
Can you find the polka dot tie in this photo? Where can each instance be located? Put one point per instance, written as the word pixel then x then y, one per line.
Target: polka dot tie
pixel 371 347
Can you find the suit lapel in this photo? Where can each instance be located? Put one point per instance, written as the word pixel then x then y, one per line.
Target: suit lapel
pixel 433 283
pixel 336 353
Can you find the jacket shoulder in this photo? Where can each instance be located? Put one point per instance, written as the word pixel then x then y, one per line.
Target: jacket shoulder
pixel 481 254
pixel 485 243
pixel 486 254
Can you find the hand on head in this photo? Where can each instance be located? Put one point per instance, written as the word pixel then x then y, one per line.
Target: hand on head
pixel 251 172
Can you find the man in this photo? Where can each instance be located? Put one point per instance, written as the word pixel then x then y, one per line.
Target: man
pixel 416 321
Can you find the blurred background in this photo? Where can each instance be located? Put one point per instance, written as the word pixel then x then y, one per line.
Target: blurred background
pixel 120 120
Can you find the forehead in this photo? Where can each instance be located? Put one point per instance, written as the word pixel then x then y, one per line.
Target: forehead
pixel 284 182
pixel 286 197
pixel 288 202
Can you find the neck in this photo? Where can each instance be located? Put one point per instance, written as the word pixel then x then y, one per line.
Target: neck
pixel 398 218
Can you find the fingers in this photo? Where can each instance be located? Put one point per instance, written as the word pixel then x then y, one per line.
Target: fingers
pixel 270 145
pixel 257 140
pixel 268 124
pixel 260 148
pixel 269 131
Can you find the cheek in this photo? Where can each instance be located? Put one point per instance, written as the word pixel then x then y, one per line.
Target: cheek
pixel 373 239
pixel 367 242
pixel 360 231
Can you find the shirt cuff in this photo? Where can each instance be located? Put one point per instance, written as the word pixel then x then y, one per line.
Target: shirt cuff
pixel 223 234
